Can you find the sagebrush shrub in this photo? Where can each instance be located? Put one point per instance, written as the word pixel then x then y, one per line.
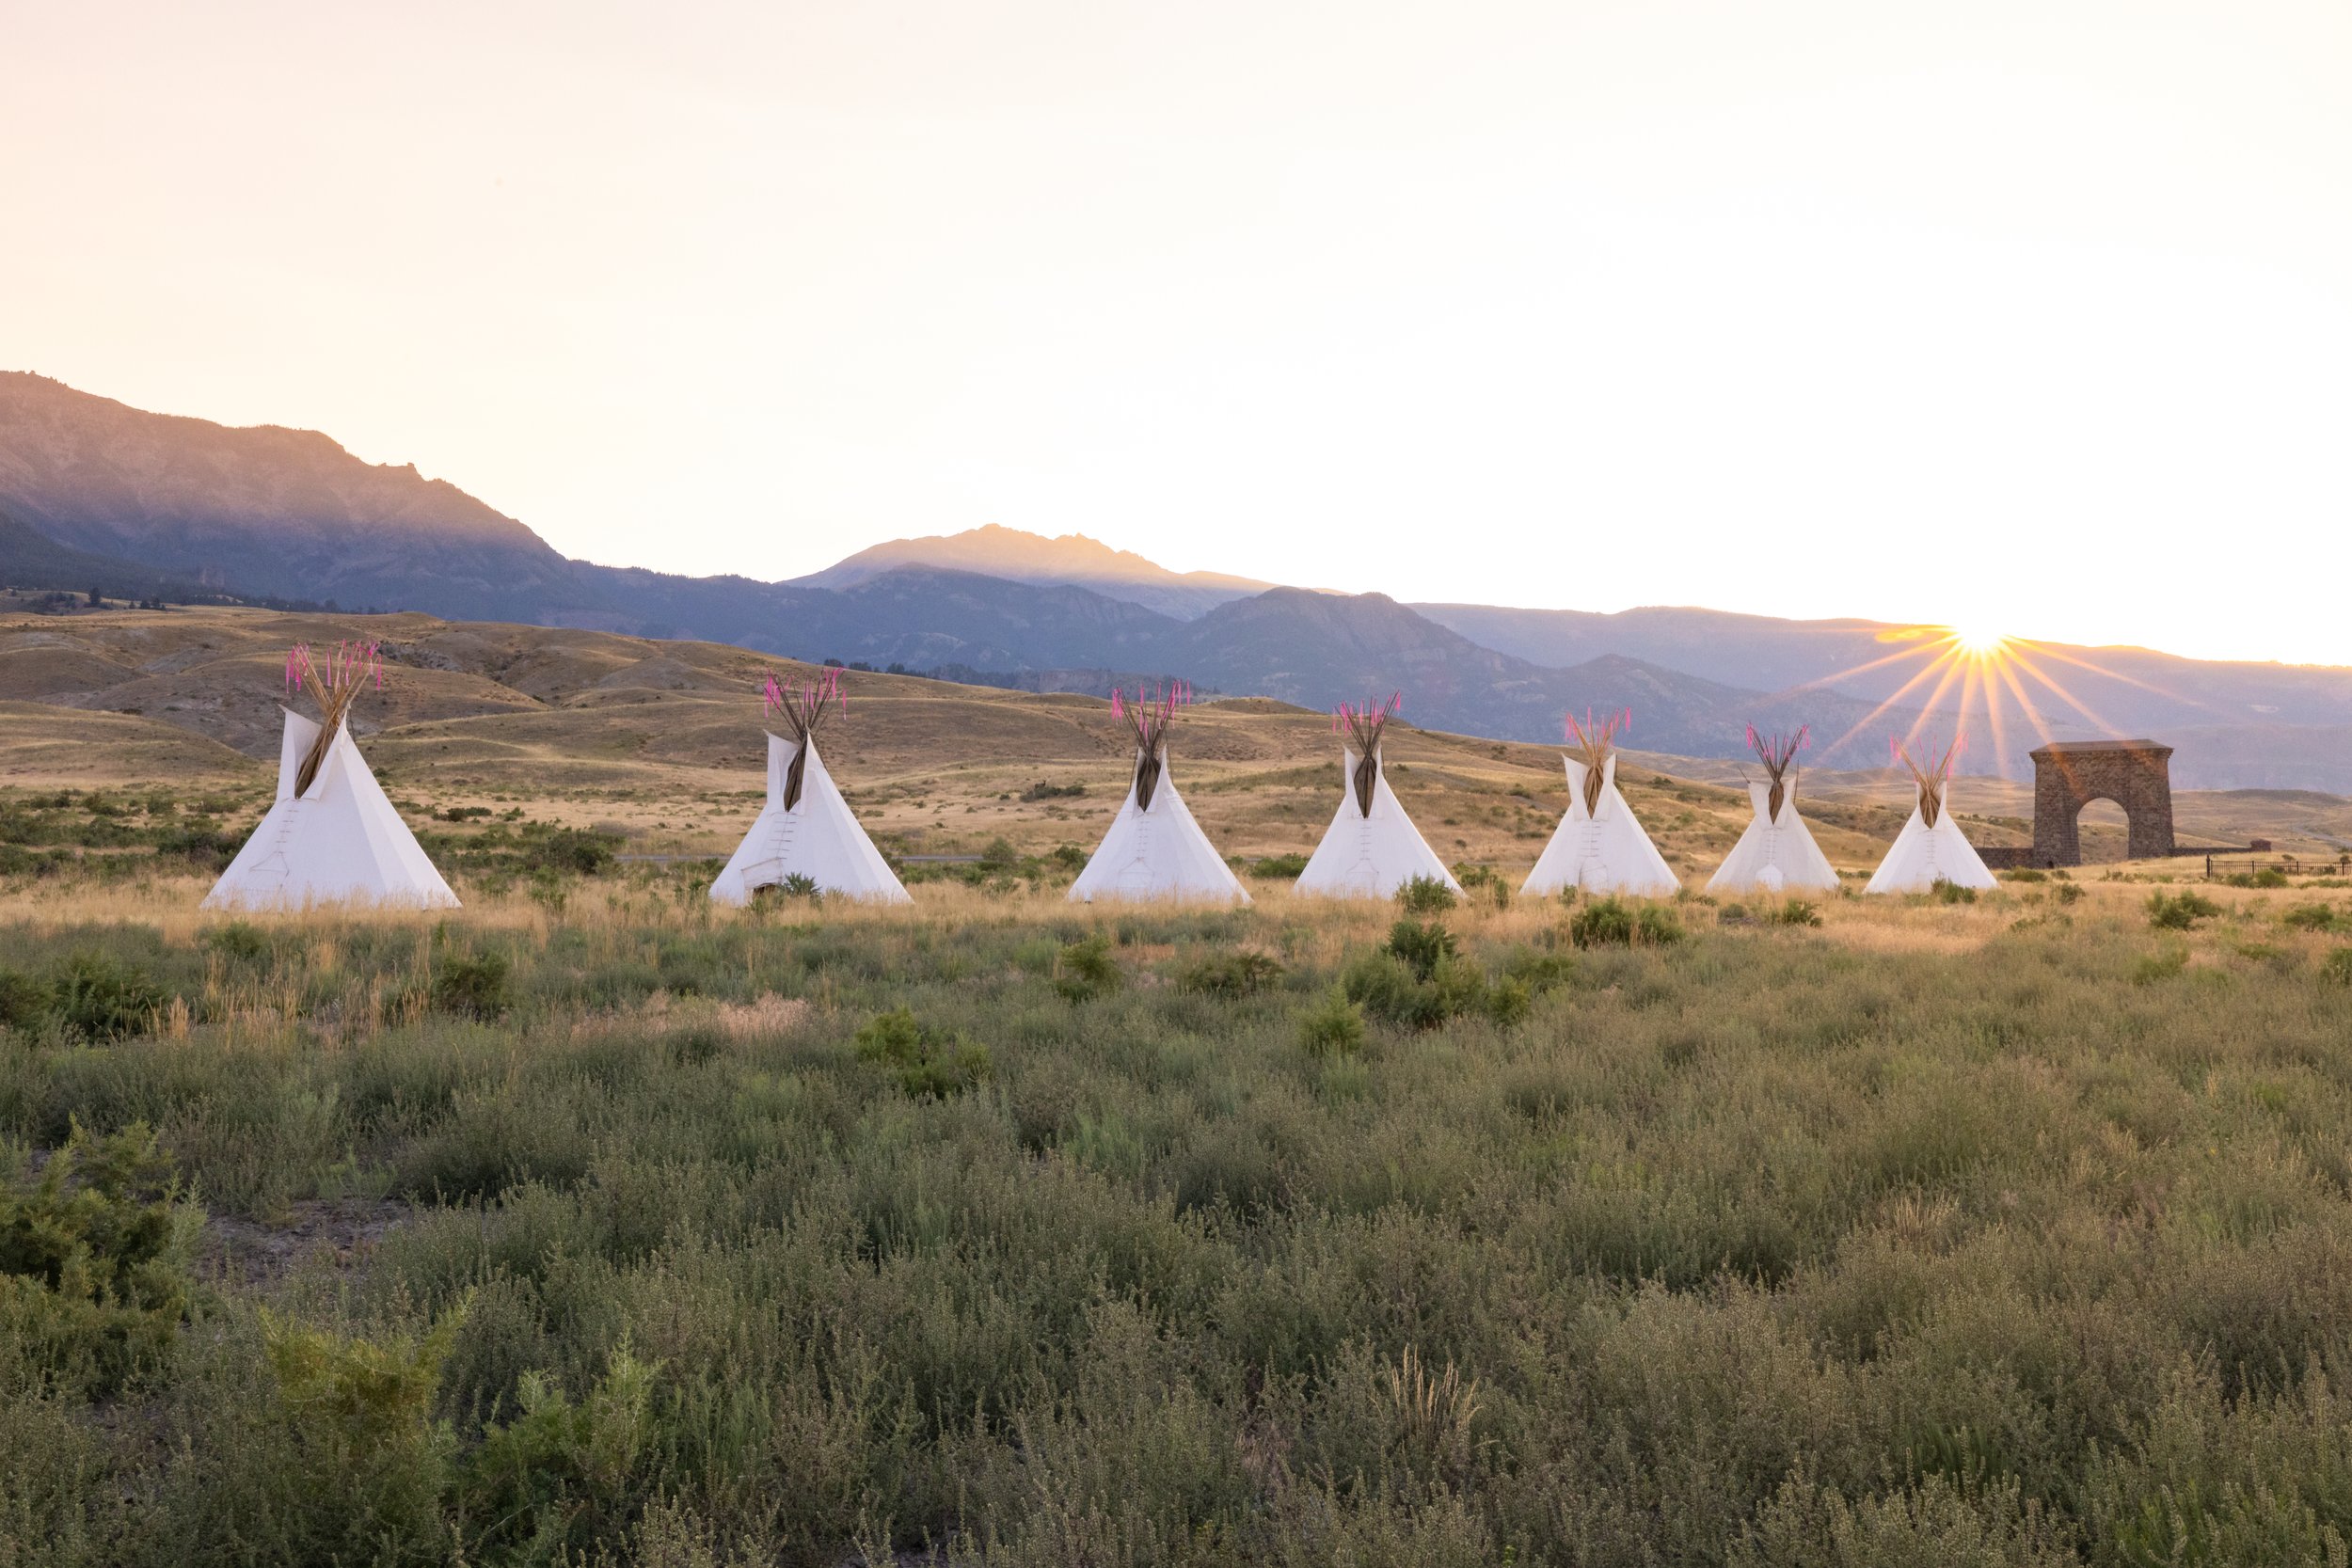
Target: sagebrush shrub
pixel 1952 892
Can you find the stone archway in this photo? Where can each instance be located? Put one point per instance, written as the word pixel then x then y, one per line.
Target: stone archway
pixel 2068 775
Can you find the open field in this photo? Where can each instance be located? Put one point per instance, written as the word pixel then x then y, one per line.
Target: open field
pixel 589 1224
pixel 660 742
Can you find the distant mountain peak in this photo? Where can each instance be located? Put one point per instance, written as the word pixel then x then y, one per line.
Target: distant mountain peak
pixel 1069 560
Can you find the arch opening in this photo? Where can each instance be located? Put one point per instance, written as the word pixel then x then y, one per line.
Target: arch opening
pixel 2104 829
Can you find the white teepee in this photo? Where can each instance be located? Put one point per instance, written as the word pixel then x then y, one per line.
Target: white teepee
pixel 1777 853
pixel 1154 849
pixel 1930 848
pixel 1598 846
pixel 1372 847
pixel 806 829
pixel 331 836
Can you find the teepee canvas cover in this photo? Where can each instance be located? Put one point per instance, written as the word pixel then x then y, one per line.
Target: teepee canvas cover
pixel 1777 853
pixel 1598 846
pixel 1154 849
pixel 1930 848
pixel 806 829
pixel 1372 847
pixel 331 836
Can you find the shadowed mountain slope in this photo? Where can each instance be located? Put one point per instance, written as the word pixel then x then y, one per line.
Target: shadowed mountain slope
pixel 265 510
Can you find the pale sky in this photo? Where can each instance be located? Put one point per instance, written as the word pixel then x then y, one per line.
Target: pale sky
pixel 2031 316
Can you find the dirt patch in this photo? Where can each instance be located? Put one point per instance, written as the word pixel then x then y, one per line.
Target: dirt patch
pixel 257 1256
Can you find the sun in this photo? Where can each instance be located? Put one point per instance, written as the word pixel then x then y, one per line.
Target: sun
pixel 1977 641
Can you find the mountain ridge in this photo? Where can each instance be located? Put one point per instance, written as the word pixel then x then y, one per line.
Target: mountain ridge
pixel 270 511
pixel 1069 560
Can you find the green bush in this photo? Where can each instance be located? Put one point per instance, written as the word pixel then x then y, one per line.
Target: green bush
pixel 1484 882
pixel 1420 979
pixel 239 940
pixel 1538 970
pixel 1424 895
pixel 2312 917
pixel 1789 911
pixel 1952 892
pixel 100 997
pixel 1603 922
pixel 2160 965
pixel 1085 970
pixel 2179 913
pixel 1333 1027
pixel 94 1255
pixel 361 1412
pixel 2336 967
pixel 1283 868
pixel 24 1001
pixel 575 850
pixel 1422 947
pixel 561 1476
pixel 1612 922
pixel 926 1062
pixel 1242 972
pixel 473 985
